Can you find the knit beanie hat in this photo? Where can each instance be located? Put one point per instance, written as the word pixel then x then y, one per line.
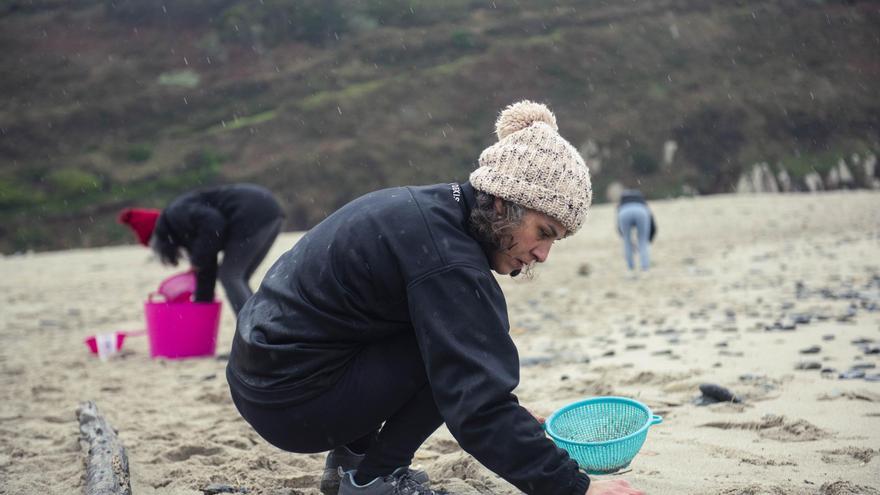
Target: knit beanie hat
pixel 533 166
pixel 141 220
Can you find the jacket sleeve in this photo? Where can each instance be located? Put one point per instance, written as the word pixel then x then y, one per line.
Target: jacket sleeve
pixel 207 241
pixel 460 321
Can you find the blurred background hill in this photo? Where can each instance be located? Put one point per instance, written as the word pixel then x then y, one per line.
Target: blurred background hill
pixel 109 104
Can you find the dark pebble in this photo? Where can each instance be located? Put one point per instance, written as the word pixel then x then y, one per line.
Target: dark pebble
pixel 813 349
pixel 828 337
pixel 664 352
pixel 802 319
pixel 215 488
pixel 608 353
pixel 808 365
pixel 873 377
pixel 863 366
pixel 223 356
pixel 851 375
pixel 634 347
pixel 715 393
pixel 563 378
pixel 861 340
pixel 872 349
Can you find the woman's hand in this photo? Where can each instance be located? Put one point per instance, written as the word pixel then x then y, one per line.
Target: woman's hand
pixel 612 487
pixel 538 417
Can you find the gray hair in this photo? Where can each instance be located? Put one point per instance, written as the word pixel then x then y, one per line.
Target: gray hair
pixel 494 230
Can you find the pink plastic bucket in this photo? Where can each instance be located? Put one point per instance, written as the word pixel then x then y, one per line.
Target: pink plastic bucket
pixel 182 329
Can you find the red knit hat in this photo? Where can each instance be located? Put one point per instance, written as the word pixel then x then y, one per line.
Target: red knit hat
pixel 141 220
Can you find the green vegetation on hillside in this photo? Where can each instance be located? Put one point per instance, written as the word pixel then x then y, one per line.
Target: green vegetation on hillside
pixel 122 102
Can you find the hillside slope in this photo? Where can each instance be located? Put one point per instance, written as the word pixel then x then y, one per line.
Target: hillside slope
pixel 112 104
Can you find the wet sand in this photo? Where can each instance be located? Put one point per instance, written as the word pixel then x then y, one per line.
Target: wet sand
pixel 744 290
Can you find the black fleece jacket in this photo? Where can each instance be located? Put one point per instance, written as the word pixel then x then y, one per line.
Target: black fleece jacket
pixel 205 220
pixel 400 260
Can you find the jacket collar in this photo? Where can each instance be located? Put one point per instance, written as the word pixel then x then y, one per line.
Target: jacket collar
pixel 467 202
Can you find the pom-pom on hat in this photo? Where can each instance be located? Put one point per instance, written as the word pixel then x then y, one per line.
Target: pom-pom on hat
pixel 141 220
pixel 533 166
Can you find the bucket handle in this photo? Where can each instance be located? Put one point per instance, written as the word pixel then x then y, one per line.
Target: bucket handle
pixel 656 420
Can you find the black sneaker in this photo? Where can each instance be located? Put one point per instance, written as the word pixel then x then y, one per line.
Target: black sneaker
pixel 338 461
pixel 342 459
pixel 402 483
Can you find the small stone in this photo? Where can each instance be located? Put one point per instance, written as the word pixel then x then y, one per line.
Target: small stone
pixel 634 347
pixel 535 360
pixel 851 375
pixel 715 393
pixel 215 488
pixel 808 365
pixel 787 325
pixel 584 269
pixel 801 318
pixel 873 377
pixel 863 366
pixel 814 349
pixel 828 337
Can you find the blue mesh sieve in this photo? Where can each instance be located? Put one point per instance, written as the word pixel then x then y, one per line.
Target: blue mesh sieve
pixel 602 434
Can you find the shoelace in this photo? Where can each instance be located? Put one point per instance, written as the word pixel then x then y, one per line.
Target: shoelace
pixel 406 485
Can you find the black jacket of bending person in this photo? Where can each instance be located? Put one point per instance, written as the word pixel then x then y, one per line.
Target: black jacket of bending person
pixel 400 260
pixel 205 220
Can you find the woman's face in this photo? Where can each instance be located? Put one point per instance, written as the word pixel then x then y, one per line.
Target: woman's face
pixel 529 242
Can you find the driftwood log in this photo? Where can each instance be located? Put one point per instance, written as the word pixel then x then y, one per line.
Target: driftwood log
pixel 107 465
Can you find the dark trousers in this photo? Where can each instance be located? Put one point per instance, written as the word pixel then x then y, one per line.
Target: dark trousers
pixel 240 258
pixel 384 383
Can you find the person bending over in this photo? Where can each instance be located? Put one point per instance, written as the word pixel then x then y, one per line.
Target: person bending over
pixel 633 214
pixel 241 220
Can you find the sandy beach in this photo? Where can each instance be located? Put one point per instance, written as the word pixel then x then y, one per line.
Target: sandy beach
pixel 744 291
